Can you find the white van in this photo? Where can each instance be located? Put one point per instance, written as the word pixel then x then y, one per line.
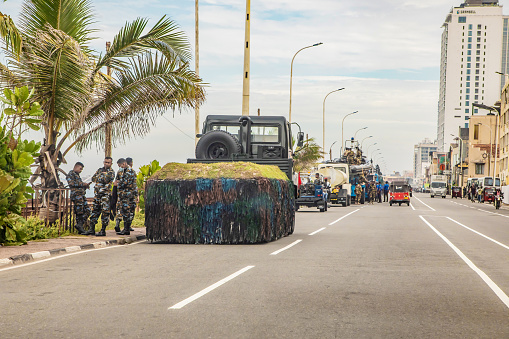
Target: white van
pixel 438 186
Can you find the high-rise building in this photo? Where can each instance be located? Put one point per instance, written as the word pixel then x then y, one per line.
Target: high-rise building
pixel 474 46
pixel 423 155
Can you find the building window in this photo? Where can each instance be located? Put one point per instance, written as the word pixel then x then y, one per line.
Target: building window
pixel 467 110
pixel 468 90
pixel 468 58
pixel 470 33
pixel 467 118
pixel 467 103
pixel 478 52
pixel 468 65
pixel 477 65
pixel 479 26
pixel 462 20
pixel 468 71
pixel 469 52
pixel 478 33
pixel 479 168
pixel 476 84
pixel 470 26
pixel 466 125
pixel 479 40
pixel 467 84
pixel 478 46
pixel 476 97
pixel 476 132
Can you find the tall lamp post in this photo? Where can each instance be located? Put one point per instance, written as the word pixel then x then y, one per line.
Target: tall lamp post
pixel 323 120
pixel 330 150
pixel 291 77
pixel 342 130
pixel 491 151
pixel 360 129
pixel 196 67
pixel 367 151
pixel 461 157
pixel 247 61
pixel 362 142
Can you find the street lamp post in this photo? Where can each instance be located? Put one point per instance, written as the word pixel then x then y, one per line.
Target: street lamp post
pixel 291 77
pixel 360 129
pixel 491 151
pixel 367 151
pixel 342 130
pixel 461 158
pixel 330 150
pixel 362 142
pixel 323 120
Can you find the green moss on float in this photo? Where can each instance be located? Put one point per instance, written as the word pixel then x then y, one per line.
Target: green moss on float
pixel 227 170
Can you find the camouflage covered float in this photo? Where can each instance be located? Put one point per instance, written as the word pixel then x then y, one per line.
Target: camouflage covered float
pixel 220 203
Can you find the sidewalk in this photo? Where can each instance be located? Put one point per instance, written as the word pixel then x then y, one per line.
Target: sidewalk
pixel 10 255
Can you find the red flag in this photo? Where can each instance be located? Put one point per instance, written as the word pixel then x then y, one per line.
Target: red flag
pixel 299 181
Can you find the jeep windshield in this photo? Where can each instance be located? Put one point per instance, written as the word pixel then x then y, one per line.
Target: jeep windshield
pixel 232 129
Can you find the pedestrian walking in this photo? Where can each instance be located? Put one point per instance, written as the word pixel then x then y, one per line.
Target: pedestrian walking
pixel 103 179
pixel 386 191
pixel 78 196
pixel 126 186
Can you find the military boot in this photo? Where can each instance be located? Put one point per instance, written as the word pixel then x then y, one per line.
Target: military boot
pixel 117 225
pixel 91 229
pixel 102 232
pixel 126 230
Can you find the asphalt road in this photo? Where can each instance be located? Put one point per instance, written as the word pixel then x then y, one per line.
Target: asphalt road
pixel 437 269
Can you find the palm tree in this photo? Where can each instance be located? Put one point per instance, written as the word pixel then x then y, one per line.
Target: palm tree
pixel 306 156
pixel 10 33
pixel 150 75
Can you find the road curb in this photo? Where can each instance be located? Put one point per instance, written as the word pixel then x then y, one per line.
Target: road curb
pixel 27 257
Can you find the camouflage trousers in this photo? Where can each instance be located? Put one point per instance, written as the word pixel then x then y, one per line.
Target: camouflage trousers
pixel 81 208
pixel 126 206
pixel 101 208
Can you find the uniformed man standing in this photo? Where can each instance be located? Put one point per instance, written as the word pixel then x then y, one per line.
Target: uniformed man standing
pixel 134 203
pixel 103 178
pixel 78 198
pixel 126 186
pixel 118 214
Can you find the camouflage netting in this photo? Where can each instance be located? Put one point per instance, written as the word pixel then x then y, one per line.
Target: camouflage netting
pixel 228 207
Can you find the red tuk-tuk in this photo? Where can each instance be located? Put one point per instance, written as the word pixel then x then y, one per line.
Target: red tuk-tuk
pixel 399 193
pixel 456 192
pixel 488 194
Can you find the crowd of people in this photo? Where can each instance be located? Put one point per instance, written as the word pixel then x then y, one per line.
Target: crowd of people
pixel 375 191
pixel 115 196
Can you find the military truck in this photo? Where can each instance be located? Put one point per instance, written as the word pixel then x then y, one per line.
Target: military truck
pixel 264 140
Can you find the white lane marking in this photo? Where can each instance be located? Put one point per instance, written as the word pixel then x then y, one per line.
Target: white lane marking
pixel 494 287
pixel 58 257
pixel 287 247
pixel 505 216
pixel 343 217
pixel 321 229
pixel 431 208
pixel 412 207
pixel 200 294
pixel 479 233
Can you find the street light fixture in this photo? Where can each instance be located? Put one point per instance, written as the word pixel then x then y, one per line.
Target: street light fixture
pixel 342 131
pixel 378 149
pixel 291 77
pixel 323 131
pixel 355 135
pixel 362 142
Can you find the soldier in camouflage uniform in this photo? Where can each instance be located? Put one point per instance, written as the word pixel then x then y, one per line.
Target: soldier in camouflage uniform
pixel 134 202
pixel 118 212
pixel 103 178
pixel 126 186
pixel 372 192
pixel 78 190
pixel 358 192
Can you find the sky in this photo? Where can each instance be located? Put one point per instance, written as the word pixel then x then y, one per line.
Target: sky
pixel 385 53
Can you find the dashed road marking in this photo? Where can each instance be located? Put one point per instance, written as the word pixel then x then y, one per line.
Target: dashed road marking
pixel 343 217
pixel 287 247
pixel 431 208
pixel 315 232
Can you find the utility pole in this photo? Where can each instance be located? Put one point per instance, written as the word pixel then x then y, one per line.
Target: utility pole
pixel 197 70
pixel 107 137
pixel 247 55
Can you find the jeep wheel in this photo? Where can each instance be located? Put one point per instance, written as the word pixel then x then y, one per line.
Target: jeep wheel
pixel 217 145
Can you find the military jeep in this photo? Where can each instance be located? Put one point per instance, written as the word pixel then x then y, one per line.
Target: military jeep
pixel 264 140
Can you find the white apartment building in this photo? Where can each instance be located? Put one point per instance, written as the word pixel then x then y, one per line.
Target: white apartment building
pixel 422 158
pixel 474 47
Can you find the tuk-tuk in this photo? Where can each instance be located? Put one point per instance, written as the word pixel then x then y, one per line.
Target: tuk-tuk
pixel 488 194
pixel 399 193
pixel 456 192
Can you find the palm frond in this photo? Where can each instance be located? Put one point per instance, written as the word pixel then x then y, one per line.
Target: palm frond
pixel 164 37
pixel 73 17
pixel 151 86
pixel 10 33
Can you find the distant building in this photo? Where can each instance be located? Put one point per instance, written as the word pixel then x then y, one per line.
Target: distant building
pixel 503 163
pixel 475 45
pixel 423 155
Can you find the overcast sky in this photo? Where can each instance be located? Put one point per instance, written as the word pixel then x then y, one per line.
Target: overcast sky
pixel 386 53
